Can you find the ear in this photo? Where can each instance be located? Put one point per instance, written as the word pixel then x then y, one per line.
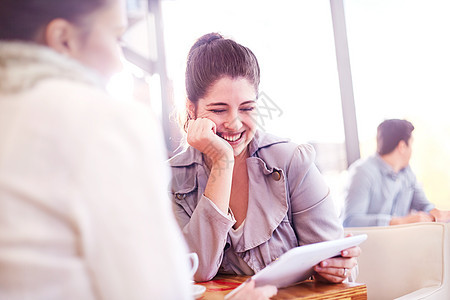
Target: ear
pixel 191 109
pixel 402 146
pixel 62 36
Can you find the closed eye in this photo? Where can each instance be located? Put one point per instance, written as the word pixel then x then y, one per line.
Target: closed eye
pixel 217 111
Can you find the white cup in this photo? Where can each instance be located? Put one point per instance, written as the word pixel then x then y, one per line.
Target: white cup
pixel 193 260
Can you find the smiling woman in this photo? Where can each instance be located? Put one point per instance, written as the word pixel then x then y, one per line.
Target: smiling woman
pixel 243 197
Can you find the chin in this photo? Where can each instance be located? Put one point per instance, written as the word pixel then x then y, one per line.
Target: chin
pixel 238 151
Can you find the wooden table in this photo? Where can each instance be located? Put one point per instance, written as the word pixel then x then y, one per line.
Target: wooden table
pixel 308 289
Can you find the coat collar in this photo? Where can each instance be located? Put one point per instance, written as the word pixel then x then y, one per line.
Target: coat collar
pixel 265 216
pixel 192 156
pixel 24 64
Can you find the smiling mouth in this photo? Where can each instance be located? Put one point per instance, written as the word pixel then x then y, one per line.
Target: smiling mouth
pixel 231 137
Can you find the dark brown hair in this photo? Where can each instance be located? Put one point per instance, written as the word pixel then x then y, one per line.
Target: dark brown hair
pixel 390 133
pixel 213 57
pixel 24 19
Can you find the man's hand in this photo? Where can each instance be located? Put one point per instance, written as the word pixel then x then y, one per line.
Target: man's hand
pixel 414 217
pixel 440 215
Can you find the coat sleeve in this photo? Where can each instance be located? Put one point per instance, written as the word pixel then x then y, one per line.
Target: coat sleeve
pixel 205 229
pixel 314 215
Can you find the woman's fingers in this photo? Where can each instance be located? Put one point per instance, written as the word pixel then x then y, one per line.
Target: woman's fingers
pixel 338 262
pixel 267 291
pixel 351 252
pixel 337 269
pixel 200 128
pixel 201 134
pixel 329 278
pixel 248 291
pixel 334 275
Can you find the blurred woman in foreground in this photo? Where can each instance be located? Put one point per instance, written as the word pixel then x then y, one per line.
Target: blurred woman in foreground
pixel 82 211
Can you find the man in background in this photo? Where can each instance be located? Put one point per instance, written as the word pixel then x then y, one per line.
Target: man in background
pixel 383 189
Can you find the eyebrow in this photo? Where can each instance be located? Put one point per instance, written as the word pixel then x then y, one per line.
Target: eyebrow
pixel 216 104
pixel 248 102
pixel 225 104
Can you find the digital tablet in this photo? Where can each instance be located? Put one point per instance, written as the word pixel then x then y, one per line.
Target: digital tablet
pixel 297 264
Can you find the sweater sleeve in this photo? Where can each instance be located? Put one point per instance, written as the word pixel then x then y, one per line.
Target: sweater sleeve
pixel 135 248
pixel 314 214
pixel 87 177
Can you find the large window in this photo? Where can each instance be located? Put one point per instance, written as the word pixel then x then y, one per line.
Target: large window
pixel 293 41
pixel 400 59
pixel 400 63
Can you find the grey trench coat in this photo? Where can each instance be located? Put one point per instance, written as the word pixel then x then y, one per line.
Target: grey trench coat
pixel 289 205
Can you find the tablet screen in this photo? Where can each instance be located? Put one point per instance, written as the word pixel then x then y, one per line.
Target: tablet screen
pixel 297 264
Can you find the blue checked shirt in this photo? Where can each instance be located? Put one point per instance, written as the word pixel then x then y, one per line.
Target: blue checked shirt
pixel 376 193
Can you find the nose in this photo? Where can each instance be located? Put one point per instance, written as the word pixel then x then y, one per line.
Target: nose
pixel 233 123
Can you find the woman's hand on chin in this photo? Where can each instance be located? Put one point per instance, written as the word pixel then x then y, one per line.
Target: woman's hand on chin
pixel 201 134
